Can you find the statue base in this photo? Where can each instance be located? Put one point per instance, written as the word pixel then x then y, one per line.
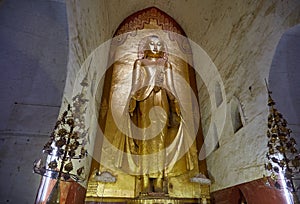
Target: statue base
pixel 126 191
pixel 147 200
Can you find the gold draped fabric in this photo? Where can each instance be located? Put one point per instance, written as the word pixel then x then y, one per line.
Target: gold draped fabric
pixel 152 87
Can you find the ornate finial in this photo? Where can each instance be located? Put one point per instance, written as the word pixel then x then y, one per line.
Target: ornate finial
pixel 283 157
pixel 65 145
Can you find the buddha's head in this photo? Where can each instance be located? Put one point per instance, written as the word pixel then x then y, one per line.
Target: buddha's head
pixel 154 47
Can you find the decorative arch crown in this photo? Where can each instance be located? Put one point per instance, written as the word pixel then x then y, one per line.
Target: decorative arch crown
pixel 138 20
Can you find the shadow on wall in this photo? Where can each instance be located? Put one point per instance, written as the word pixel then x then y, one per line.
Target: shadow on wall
pixel 284 78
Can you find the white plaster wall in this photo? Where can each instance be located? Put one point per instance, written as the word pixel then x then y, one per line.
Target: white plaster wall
pixel 33 59
pixel 239 36
pixel 242 51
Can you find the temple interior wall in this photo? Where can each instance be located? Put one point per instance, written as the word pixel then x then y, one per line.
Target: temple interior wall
pixel 240 37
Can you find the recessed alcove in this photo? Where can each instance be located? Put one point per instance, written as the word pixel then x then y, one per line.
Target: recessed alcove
pixel 216 137
pixel 236 115
pixel 218 94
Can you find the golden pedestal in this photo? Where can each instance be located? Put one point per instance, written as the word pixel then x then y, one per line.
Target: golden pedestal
pixel 149 200
pixel 125 190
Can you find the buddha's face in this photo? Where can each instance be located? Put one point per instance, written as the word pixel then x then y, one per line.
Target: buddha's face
pixel 155 46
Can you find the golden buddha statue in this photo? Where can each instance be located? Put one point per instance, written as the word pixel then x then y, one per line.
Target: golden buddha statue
pixel 152 85
pixel 157 137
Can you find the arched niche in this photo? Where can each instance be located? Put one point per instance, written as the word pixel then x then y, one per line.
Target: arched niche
pixel 124 50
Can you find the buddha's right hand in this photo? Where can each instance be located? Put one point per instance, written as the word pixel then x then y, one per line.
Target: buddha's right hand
pixel 132 105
